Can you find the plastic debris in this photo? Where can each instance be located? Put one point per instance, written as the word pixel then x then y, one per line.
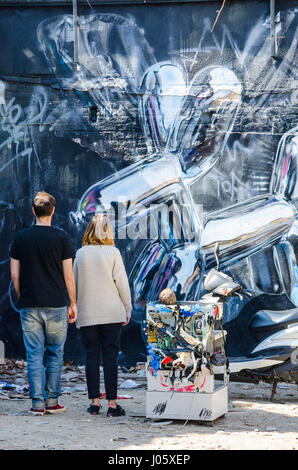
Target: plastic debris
pixel 128 384
pixel 154 362
pixel 13 390
pixel 162 423
pixel 247 387
pixel 119 397
pixel 7 386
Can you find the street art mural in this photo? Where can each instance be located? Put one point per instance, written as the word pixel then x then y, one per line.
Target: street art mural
pixel 187 138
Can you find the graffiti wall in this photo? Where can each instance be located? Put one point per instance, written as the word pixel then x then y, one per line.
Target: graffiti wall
pixel 186 137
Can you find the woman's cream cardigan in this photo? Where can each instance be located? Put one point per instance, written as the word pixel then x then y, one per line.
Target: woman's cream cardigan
pixel 103 294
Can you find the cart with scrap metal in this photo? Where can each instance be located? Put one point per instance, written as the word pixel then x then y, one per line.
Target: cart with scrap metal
pixel 186 343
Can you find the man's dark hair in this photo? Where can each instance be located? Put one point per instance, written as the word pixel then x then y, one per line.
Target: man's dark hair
pixel 43 204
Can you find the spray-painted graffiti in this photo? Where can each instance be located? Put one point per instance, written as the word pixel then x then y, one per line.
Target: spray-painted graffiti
pixel 151 135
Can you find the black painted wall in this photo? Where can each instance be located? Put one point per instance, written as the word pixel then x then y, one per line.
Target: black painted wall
pixel 163 112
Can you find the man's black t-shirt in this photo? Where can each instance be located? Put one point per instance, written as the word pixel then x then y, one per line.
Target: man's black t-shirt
pixel 40 250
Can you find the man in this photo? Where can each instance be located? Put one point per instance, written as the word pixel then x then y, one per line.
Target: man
pixel 41 269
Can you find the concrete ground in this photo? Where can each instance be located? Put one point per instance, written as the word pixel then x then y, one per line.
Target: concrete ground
pixel 252 422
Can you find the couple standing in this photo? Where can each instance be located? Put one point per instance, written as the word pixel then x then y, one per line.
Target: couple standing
pixel 42 271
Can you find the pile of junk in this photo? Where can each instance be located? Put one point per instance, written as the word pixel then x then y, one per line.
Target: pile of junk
pixel 186 350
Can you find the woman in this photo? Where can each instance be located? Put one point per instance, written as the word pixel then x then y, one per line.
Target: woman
pixel 104 305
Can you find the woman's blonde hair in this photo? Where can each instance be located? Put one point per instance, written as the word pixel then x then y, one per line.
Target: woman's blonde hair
pixel 99 231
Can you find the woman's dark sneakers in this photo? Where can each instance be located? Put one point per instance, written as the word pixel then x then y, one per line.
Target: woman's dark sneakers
pixel 114 412
pixel 94 409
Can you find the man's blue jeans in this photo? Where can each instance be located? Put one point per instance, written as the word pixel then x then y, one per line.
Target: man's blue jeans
pixel 44 332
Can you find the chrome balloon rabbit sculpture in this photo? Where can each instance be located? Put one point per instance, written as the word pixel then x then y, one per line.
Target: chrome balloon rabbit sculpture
pixel 186 125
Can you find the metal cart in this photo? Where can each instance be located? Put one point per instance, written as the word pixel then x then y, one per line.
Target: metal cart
pixel 185 344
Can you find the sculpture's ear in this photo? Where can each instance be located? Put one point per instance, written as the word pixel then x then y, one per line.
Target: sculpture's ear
pixel 162 91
